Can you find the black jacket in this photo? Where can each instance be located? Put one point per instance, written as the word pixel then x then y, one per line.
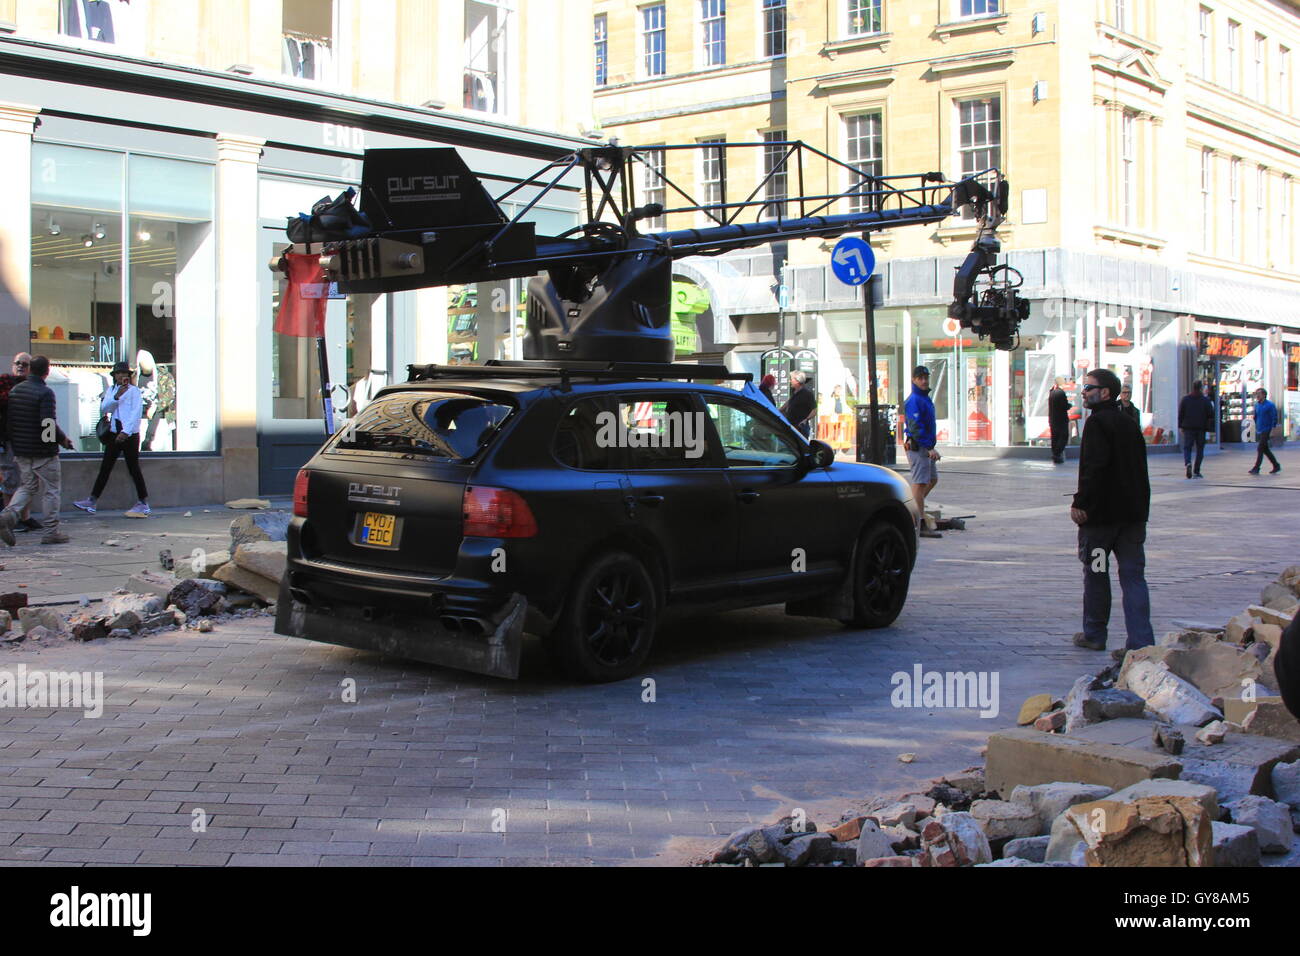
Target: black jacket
pixel 1058 410
pixel 1133 412
pixel 800 406
pixel 1287 667
pixel 1196 413
pixel 1113 483
pixel 31 406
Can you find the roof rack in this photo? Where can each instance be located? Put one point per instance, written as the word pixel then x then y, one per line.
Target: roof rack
pixel 566 371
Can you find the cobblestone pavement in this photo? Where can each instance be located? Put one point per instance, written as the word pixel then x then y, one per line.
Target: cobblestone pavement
pixel 754 713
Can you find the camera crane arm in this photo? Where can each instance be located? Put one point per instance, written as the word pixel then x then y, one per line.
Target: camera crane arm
pixel 426 221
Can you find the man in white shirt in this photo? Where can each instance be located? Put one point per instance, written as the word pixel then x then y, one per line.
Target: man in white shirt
pixel 123 405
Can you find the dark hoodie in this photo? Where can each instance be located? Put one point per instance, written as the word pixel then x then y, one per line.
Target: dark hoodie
pixel 1113 483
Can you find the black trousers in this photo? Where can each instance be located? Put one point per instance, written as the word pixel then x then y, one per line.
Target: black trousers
pixel 1262 450
pixel 1060 438
pixel 130 450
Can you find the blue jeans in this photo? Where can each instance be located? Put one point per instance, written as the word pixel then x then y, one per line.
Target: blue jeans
pixel 1096 545
pixel 1193 438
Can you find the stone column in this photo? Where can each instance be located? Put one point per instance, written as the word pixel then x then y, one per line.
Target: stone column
pixel 17 122
pixel 239 280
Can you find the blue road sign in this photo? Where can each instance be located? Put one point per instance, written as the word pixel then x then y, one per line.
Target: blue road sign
pixel 853 260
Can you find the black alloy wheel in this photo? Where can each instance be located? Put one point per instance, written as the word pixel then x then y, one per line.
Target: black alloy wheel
pixel 609 621
pixel 883 572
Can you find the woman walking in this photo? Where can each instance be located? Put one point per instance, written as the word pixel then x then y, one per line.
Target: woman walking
pixel 123 405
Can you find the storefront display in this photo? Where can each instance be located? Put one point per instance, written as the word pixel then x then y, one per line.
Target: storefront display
pixel 1232 367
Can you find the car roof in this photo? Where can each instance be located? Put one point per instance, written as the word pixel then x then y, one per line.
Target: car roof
pixel 578 385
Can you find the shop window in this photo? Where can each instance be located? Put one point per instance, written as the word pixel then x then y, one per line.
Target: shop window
pixel 90 256
pixel 486 47
pixel 307 40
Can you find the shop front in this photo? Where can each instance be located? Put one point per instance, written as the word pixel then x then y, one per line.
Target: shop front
pixel 1291 400
pixel 1231 365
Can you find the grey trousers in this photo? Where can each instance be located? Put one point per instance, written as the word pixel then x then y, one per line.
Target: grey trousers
pixel 37 476
pixel 1097 543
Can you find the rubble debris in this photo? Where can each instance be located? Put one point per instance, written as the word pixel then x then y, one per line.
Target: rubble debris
pixel 205 567
pixel 260 526
pixel 896 814
pixel 197 597
pixel 1145 789
pixel 1146 831
pixel 906 758
pixel 38 633
pixel 1234 845
pixel 873 843
pixel 1003 819
pixel 47 618
pixel 1168 695
pixel 6 619
pixel 848 830
pixel 1267 716
pixel 243 504
pixel 1051 722
pixel 1049 800
pixel 1285 779
pixel 12 601
pixel 151 582
pixel 1270 820
pixel 954 839
pixel 165 560
pixel 1033 708
pixel 235 576
pixel 265 558
pixel 204 626
pixel 1023 756
pixel 1213 733
pixel 1167 739
pixel 1033 849
pixel 893 861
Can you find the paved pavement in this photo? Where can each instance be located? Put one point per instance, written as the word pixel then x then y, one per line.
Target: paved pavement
pixel 753 714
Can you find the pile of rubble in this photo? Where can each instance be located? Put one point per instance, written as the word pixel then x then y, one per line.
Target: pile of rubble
pixel 1182 754
pixel 192 592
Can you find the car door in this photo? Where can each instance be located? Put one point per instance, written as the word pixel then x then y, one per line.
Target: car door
pixel 676 491
pixel 786 512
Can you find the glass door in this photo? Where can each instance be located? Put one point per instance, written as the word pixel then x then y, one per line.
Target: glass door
pixel 976 392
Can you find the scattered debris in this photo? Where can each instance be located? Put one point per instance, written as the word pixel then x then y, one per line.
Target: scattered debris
pixel 906 758
pixel 245 504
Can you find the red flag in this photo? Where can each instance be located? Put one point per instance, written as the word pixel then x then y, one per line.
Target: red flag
pixel 302 305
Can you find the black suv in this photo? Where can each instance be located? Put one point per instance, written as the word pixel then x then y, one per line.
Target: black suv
pixel 470 504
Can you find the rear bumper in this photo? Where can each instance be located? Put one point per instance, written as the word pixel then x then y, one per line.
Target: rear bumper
pixel 402 616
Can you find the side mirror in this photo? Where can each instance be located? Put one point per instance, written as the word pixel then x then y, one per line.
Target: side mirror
pixel 820 454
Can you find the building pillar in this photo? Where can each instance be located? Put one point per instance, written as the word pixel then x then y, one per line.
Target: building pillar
pixel 239 307
pixel 17 123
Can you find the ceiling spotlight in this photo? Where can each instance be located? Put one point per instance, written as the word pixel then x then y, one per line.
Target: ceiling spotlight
pixel 97 231
pixel 144 235
pixel 55 228
pixel 87 240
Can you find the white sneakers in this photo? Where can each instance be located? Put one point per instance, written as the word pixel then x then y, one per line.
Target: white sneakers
pixel 139 510
pixel 87 505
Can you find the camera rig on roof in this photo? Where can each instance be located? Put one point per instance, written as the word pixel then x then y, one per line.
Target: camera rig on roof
pixel 427 220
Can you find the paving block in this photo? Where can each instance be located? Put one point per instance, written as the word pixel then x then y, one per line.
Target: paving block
pixel 1027 757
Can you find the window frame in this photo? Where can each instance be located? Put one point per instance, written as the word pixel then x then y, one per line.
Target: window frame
pixel 769 10
pixel 600 42
pixel 1128 169
pixel 874 9
pixel 647 33
pixel 603 402
pixel 702 171
pixel 775 159
pixel 859 203
pixel 1234 56
pixel 709 461
pixel 712 33
pixel 777 424
pixel 1260 83
pixel 991 8
pixel 1205 31
pixel 658 192
pixel 1207 200
pixel 1234 207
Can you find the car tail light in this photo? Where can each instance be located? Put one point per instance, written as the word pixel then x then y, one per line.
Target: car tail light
pixel 300 493
pixel 496 513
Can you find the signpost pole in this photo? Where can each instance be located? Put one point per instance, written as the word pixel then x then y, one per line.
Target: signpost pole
pixel 869 314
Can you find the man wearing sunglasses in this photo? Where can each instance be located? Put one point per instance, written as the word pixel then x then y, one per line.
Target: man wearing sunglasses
pixel 9 476
pixel 1111 509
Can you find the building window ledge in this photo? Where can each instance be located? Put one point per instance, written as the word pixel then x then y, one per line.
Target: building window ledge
pixel 854 44
pixel 1219 262
pixel 1132 40
pixel 965 230
pixel 988 60
pixel 668 79
pixel 879 240
pixel 945 31
pixel 1128 237
pixel 876 76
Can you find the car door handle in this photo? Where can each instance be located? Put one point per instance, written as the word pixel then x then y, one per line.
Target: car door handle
pixel 652 501
pixel 748 496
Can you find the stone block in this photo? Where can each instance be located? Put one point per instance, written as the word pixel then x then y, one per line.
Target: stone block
pixel 203 565
pixel 1270 820
pixel 1168 695
pixel 266 558
pixel 873 843
pixel 1286 783
pixel 1205 795
pixel 1234 845
pixel 1148 831
pixel 151 582
pixel 1051 722
pixel 955 839
pixel 261 526
pixel 46 617
pixel 1049 800
pixel 1003 820
pixel 235 576
pixel 1033 849
pixel 1026 757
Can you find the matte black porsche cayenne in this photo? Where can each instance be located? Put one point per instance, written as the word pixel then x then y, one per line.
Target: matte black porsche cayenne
pixel 469 505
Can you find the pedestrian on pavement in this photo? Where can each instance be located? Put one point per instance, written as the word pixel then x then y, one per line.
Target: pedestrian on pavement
pixel 1127 407
pixel 1058 419
pixel 9 478
pixel 919 428
pixel 1111 509
pixel 766 386
pixel 801 407
pixel 1195 419
pixel 36 436
pixel 1265 422
pixel 123 405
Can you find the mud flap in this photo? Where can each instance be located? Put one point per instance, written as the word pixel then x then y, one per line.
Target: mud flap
pixel 837 604
pixel 495 653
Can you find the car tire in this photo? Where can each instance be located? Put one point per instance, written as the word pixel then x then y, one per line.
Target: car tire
pixel 608 624
pixel 882 570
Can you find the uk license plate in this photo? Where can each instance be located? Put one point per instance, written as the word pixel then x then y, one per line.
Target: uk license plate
pixel 377 529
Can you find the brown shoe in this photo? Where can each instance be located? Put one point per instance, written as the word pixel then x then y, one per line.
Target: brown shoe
pixel 927 533
pixel 1081 641
pixel 55 537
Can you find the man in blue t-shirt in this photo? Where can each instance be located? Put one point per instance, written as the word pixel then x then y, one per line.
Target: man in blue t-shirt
pixel 1265 422
pixel 919 426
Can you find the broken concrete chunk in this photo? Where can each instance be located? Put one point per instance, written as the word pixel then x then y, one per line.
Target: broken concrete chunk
pixel 1234 845
pixel 243 504
pixel 1270 820
pixel 1286 783
pixel 1277 596
pixel 1002 819
pixel 1033 707
pixel 197 597
pixel 46 617
pixel 1167 694
pixel 1033 849
pixel 896 814
pixel 802 850
pixel 1049 800
pixel 902 838
pixel 266 558
pixel 1026 757
pixel 1168 739
pixel 955 839
pixel 1146 789
pixel 262 526
pixel 1149 831
pixel 1215 732
pixel 151 582
pixel 873 843
pixel 1048 723
pixel 255 584
pixel 892 861
pixel 1270 718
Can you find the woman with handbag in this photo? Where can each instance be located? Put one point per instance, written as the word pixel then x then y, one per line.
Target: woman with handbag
pixel 119 431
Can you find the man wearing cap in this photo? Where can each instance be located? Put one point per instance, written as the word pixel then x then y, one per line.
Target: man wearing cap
pixel 920 430
pixel 123 405
pixel 35 436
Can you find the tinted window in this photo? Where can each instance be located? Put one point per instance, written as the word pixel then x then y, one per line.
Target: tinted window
pixel 661 432
pixel 747 440
pixel 576 439
pixel 437 424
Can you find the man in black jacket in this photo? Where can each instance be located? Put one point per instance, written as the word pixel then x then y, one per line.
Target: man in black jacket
pixel 35 437
pixel 1111 509
pixel 1058 419
pixel 801 407
pixel 1195 418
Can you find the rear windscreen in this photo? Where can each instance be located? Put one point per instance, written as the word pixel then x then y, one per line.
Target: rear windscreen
pixel 437 424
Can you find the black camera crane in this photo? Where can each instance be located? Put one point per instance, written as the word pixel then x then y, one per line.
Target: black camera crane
pixel 426 220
